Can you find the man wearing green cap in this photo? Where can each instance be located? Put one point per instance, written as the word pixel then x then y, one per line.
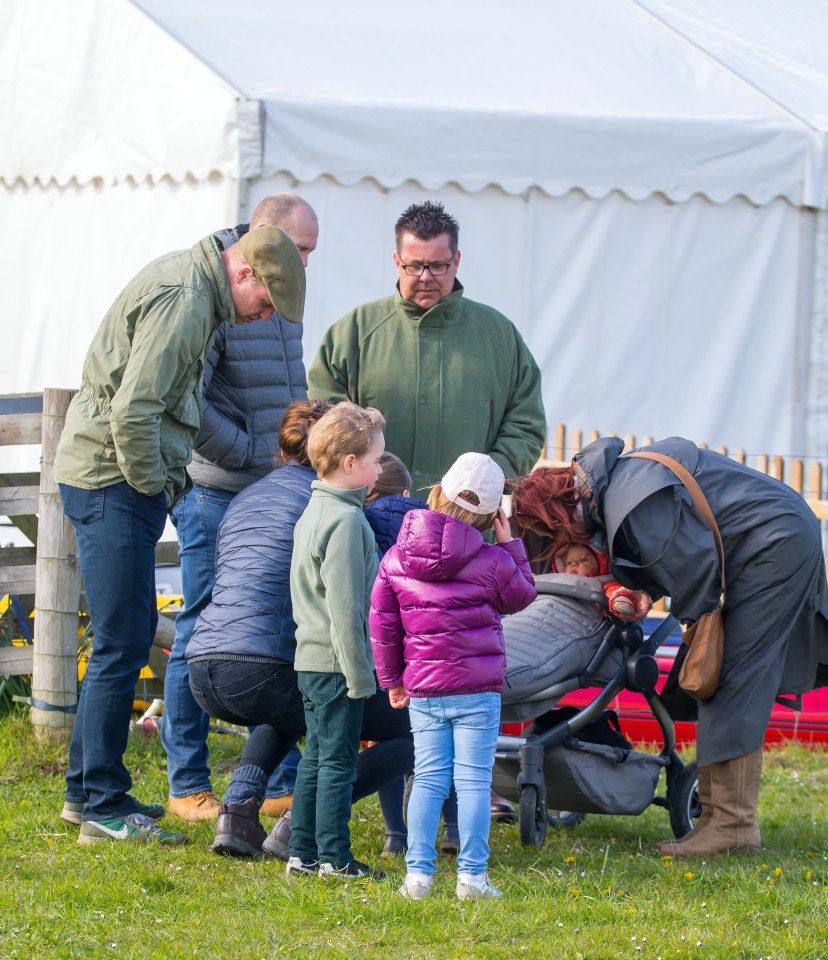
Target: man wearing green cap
pixel 252 374
pixel 121 465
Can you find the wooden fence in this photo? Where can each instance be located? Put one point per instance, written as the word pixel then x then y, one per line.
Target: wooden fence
pixel 47 576
pixel 809 481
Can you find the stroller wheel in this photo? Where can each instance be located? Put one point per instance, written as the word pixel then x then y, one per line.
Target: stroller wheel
pixel 564 818
pixel 683 801
pixel 532 817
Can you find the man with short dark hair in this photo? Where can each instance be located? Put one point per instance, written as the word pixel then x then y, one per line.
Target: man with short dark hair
pixel 121 464
pixel 251 376
pixel 450 375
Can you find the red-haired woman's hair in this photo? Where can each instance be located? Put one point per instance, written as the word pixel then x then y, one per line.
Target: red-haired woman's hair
pixel 546 501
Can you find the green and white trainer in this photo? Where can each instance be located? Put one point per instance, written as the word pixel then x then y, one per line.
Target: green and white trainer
pixel 134 827
pixel 73 812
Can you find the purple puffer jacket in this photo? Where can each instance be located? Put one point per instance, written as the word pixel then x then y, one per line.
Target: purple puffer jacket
pixel 436 605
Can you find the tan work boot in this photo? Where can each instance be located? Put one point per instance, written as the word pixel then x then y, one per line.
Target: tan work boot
pixel 203 805
pixel 734 791
pixel 706 813
pixel 276 806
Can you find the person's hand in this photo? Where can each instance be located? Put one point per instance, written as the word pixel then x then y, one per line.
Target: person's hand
pixel 503 531
pixel 628 604
pixel 397 697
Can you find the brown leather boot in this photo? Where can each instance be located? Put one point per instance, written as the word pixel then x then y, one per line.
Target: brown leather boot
pixel 238 831
pixel 277 843
pixel 734 791
pixel 502 810
pixel 704 818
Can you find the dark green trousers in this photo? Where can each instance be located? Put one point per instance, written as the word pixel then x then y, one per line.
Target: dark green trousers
pixel 324 784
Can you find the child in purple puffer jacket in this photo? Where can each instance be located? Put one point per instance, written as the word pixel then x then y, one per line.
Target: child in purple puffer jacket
pixel 438 649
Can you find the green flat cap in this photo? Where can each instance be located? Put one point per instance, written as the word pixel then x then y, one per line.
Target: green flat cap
pixel 276 261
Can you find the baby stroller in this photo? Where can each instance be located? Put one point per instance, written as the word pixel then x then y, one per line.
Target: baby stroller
pixel 563 641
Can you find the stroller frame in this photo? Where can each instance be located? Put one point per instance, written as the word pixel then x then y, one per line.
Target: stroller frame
pixel 534 787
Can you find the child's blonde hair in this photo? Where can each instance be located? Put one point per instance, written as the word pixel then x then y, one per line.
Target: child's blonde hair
pixel 345 428
pixel 437 500
pixel 393 480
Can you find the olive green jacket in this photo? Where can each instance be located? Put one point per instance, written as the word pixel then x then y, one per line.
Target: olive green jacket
pixel 332 571
pixel 138 410
pixel 448 380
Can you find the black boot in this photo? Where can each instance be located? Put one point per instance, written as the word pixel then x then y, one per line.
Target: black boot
pixel 451 839
pixel 238 831
pixel 395 845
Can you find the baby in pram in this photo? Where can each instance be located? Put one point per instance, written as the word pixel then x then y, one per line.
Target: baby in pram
pixel 583 561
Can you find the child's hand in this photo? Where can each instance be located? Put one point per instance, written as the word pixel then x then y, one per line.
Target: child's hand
pixel 503 531
pixel 397 697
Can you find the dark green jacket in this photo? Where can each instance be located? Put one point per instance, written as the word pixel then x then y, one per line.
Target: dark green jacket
pixel 448 380
pixel 138 410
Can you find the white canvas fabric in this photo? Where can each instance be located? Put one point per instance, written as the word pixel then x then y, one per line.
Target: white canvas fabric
pixel 640 184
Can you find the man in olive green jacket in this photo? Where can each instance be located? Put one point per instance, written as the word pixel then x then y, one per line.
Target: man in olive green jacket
pixel 450 375
pixel 120 466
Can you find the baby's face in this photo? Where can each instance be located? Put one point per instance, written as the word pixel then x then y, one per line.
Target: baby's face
pixel 580 561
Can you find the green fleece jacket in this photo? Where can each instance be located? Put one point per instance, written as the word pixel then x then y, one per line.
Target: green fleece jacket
pixel 448 380
pixel 138 410
pixel 332 571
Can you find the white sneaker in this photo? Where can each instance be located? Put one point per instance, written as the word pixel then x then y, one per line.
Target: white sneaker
pixel 417 886
pixel 471 886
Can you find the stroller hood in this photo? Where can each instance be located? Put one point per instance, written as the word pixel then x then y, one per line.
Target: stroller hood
pixel 433 546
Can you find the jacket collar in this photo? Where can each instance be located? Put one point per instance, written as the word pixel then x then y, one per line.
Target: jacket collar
pixel 443 312
pixel 355 497
pixel 207 255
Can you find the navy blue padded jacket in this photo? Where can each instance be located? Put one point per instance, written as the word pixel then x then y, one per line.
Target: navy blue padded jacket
pixel 251 611
pixel 386 514
pixel 252 374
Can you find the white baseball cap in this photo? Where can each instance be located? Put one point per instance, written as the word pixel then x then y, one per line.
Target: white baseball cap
pixel 477 473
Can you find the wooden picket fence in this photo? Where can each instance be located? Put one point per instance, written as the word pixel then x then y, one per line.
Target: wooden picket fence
pixel 808 480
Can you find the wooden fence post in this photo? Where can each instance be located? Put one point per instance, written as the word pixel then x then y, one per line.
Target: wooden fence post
pixel 57 592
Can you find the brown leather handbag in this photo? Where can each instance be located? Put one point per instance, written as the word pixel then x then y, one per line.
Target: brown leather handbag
pixel 699 676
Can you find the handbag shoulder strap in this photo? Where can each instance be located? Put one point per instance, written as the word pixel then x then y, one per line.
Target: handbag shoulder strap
pixel 696 495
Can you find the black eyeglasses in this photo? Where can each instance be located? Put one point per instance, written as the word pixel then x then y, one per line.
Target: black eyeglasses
pixel 435 269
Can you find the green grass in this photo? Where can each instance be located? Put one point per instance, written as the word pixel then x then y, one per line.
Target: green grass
pixel 598 891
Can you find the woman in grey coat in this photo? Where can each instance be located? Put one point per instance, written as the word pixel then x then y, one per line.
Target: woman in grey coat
pixel 776 634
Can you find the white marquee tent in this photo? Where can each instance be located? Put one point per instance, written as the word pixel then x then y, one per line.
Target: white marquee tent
pixel 641 184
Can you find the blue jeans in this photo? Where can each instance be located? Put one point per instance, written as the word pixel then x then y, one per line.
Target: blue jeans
pixel 184 725
pixel 117 529
pixel 454 737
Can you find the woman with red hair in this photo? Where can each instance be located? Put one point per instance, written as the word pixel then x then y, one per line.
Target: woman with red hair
pixel 776 635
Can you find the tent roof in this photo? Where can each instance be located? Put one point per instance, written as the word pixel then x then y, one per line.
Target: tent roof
pixel 642 96
pixel 93 89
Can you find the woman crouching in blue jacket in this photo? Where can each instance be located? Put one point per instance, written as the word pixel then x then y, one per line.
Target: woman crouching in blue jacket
pixel 243 646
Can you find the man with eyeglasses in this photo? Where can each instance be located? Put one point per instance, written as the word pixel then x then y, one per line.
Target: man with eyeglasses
pixel 449 375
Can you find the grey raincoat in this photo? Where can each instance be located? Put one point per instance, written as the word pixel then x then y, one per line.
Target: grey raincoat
pixel 776 633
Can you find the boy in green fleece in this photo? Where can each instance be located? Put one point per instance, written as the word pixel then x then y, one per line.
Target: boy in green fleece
pixel 332 571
